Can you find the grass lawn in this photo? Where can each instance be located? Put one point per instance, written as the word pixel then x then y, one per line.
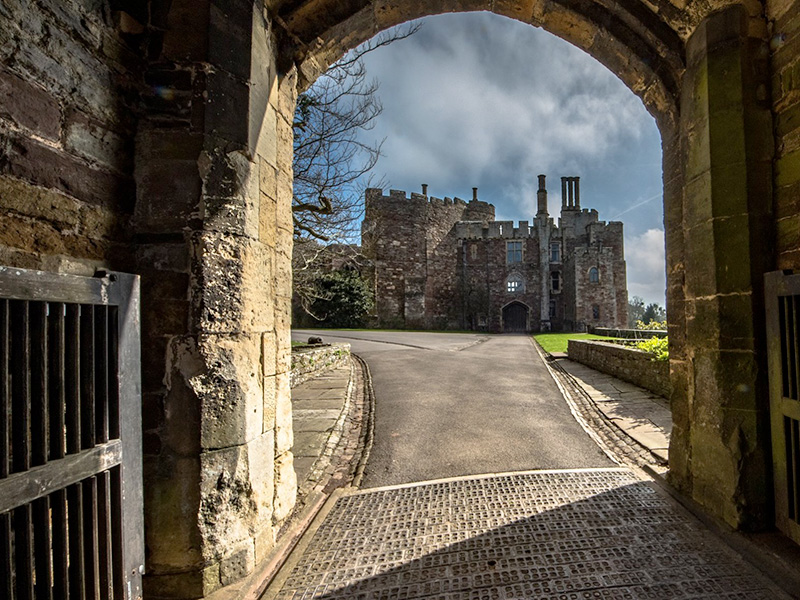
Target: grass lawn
pixel 557 342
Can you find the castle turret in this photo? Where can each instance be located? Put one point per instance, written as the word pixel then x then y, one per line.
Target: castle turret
pixel 541 198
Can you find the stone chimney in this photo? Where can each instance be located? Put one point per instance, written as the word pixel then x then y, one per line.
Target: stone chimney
pixel 541 198
pixel 570 193
pixel 475 193
pixel 424 189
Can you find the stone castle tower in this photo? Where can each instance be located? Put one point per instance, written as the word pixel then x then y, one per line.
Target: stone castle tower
pixel 447 264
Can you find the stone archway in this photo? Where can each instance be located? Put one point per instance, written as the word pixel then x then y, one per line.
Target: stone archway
pixel 162 145
pixel 679 61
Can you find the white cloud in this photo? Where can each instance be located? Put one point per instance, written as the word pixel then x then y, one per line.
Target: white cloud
pixel 644 255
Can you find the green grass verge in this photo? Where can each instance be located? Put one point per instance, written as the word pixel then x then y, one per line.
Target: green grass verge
pixel 557 342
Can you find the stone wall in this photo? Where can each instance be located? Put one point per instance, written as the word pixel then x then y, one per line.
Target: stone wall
pixel 68 115
pixel 784 19
pixel 155 138
pixel 310 361
pixel 629 364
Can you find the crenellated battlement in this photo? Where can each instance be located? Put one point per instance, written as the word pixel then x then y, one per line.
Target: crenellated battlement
pixel 473 230
pixel 375 195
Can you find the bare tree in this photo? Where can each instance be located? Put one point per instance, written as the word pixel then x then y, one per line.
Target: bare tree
pixel 332 162
pixel 332 167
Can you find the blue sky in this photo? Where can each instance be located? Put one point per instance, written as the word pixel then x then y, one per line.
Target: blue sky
pixel 481 100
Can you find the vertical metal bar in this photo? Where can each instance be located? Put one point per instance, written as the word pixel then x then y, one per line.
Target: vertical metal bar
pixel 788 432
pixel 795 451
pixel 39 390
pixel 58 508
pixel 23 552
pixel 794 365
pixel 77 588
pixel 105 542
pixel 20 386
pixel 56 379
pixel 784 358
pixel 42 540
pixel 6 557
pixel 91 559
pixel 101 372
pixel 88 433
pixel 5 395
pixel 117 549
pixel 113 372
pixel 72 379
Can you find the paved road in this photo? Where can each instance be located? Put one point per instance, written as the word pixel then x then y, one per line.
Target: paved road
pixel 450 405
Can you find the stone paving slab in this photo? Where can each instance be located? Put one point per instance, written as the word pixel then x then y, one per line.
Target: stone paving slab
pixel 642 415
pixel 583 534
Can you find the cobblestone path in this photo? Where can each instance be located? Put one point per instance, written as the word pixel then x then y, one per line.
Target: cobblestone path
pixel 566 535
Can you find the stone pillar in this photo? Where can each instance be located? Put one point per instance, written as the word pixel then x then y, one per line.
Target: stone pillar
pixel 475 193
pixel 214 229
pixel 563 193
pixel 718 247
pixel 576 181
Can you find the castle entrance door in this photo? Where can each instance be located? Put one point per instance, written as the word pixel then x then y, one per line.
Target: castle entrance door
pixel 515 317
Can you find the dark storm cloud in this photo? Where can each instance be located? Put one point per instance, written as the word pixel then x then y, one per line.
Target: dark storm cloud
pixel 481 100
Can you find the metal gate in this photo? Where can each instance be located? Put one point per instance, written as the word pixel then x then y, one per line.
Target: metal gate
pixel 782 295
pixel 70 437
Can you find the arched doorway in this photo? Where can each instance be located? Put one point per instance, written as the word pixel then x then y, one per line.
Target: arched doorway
pixel 515 318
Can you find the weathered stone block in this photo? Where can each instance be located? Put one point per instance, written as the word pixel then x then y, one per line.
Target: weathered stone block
pixel 285 487
pixel 268 220
pixel 228 101
pixel 95 141
pixel 227 505
pixel 269 345
pixel 29 106
pixel 230 390
pixel 28 159
pixel 284 436
pixel 238 563
pixel 270 386
pixel 172 489
pixel 261 454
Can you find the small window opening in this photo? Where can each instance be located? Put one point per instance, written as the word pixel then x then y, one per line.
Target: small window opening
pixel 555 252
pixel 555 281
pixel 514 284
pixel 595 311
pixel 594 275
pixel 552 308
pixel 513 252
pixel 473 250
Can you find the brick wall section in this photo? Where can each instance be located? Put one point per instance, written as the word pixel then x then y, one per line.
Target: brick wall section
pixel 310 361
pixel 628 364
pixel 68 93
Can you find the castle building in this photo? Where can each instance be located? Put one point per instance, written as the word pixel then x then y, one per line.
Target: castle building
pixel 447 264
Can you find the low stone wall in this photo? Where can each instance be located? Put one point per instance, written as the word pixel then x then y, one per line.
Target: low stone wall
pixel 310 361
pixel 628 364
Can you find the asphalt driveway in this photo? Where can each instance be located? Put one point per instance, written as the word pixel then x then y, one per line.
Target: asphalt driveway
pixel 451 405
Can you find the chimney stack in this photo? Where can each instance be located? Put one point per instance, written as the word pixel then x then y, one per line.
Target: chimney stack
pixel 424 189
pixel 571 193
pixel 475 193
pixel 541 198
